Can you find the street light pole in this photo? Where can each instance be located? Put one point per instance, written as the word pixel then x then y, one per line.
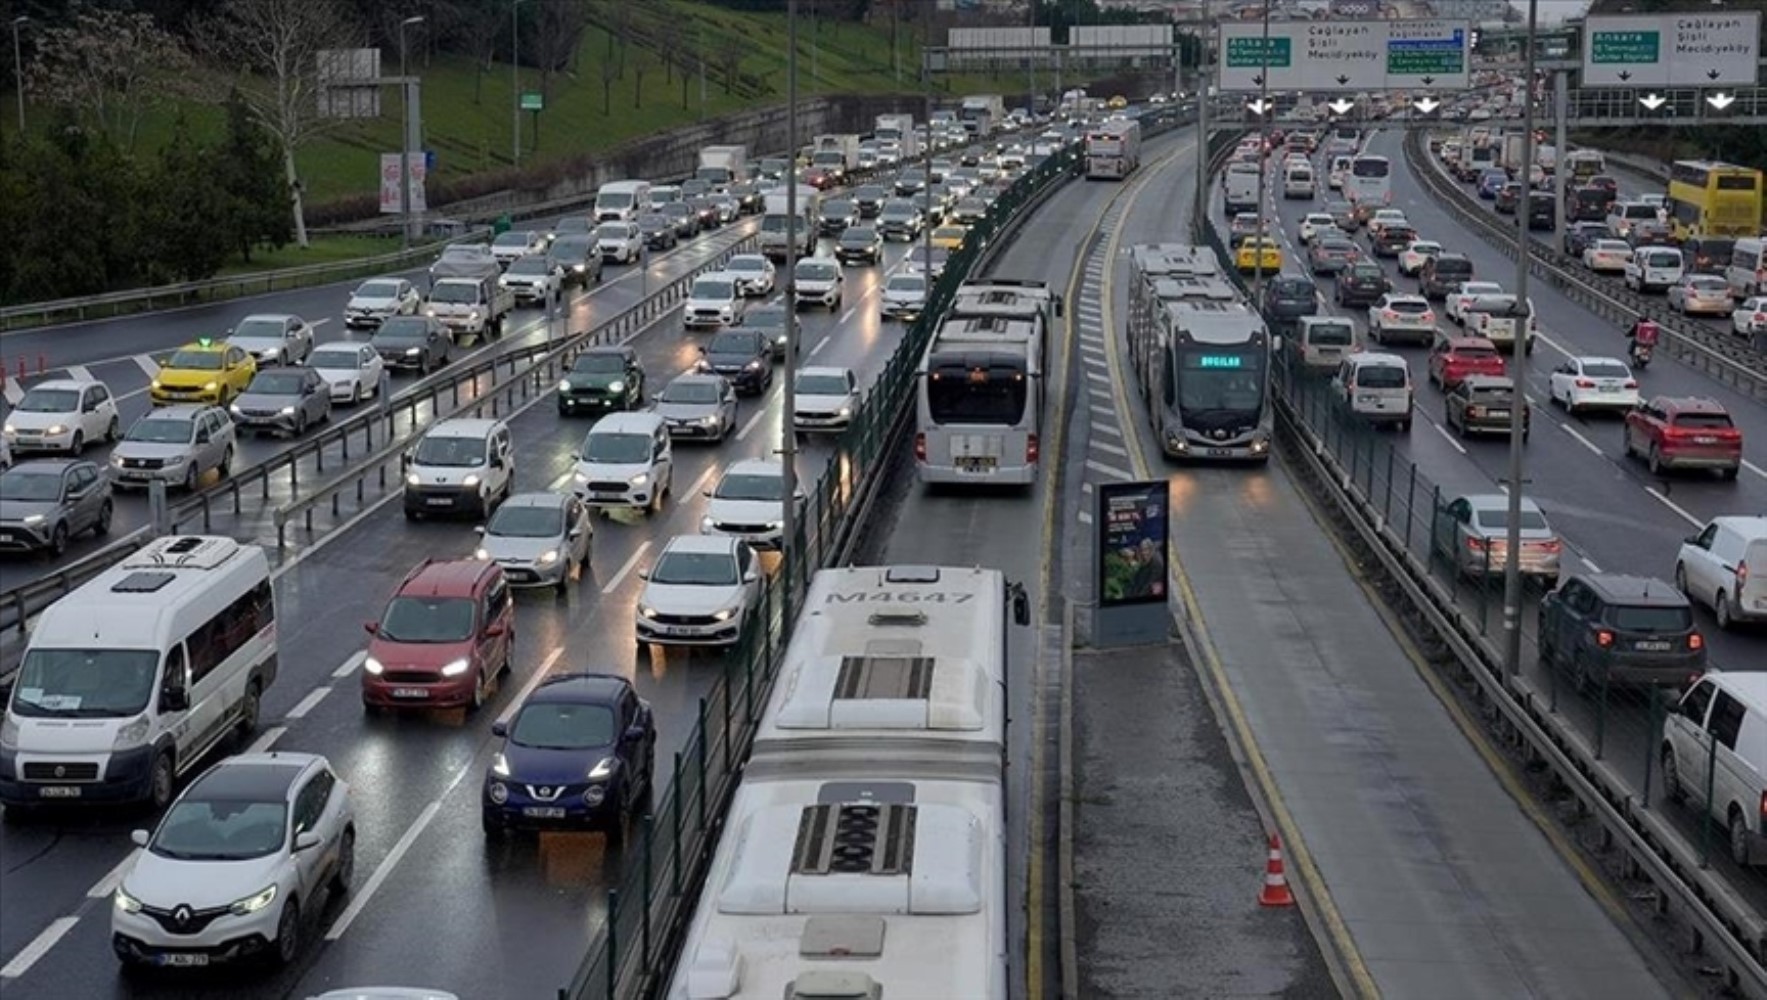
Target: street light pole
pixel 788 522
pixel 1518 407
pixel 1201 211
pixel 18 70
pixel 515 83
pixel 1264 154
pixel 409 140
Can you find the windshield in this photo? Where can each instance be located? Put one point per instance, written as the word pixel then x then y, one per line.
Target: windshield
pixel 530 265
pixel 1497 519
pixel 455 292
pixel 378 289
pixel 821 385
pixel 49 401
pixel 613 231
pixel 438 451
pixel 161 430
pixel 734 343
pixel 25 483
pixel 615 200
pixel 1605 369
pixel 527 522
pixel 599 364
pixel 349 360
pixel 617 449
pixel 427 619
pixel 268 329
pixel 572 247
pixel 1220 382
pixel 906 283
pixel 221 830
pixel 839 209
pixel 764 319
pixel 516 239
pixel 276 384
pixel 553 726
pixel 1703 421
pixel 859 234
pixel 572 224
pixel 196 360
pixel 695 569
pixel 750 486
pixel 403 328
pixel 84 683
pixel 694 391
pixel 959 395
pixel 747 265
pixel 1330 334
pixel 713 288
pixel 1409 307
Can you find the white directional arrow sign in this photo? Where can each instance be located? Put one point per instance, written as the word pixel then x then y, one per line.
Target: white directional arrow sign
pixel 1341 106
pixel 1426 105
pixel 1260 106
pixel 1721 101
pixel 1653 101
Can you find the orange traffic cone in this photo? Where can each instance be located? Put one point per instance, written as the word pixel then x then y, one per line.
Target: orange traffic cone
pixel 1275 882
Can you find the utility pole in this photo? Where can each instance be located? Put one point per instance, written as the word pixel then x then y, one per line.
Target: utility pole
pixel 413 139
pixel 1031 62
pixel 515 83
pixel 1518 406
pixel 1201 211
pixel 1561 82
pixel 789 550
pixel 18 70
pixel 1264 154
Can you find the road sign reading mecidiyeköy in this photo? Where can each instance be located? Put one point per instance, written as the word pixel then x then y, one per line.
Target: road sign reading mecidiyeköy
pixel 1672 50
pixel 1345 55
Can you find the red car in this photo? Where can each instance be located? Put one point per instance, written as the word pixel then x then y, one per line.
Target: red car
pixel 1454 358
pixel 819 178
pixel 1685 433
pixel 443 640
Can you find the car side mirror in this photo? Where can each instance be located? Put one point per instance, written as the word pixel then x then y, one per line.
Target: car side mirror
pixel 478 529
pixel 494 631
pixel 405 460
pixel 306 840
pixel 576 532
pixel 634 734
pixel 706 493
pixel 174 699
pixel 1692 540
pixel 202 437
pixel 750 577
pixel 644 574
pixel 138 837
pixel 372 628
pixel 496 461
pixel 499 728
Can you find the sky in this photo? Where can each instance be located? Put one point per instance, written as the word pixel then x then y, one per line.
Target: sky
pixel 1552 11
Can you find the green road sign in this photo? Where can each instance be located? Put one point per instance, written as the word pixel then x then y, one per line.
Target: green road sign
pixel 1256 53
pixel 533 100
pixel 1635 47
pixel 1424 62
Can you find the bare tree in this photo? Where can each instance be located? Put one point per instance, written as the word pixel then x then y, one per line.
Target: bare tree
pixel 108 66
pixel 730 55
pixel 274 47
pixel 609 72
pixel 557 29
pixel 638 66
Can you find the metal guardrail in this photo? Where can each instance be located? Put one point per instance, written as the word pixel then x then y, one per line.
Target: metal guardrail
pixel 1380 504
pixel 1719 355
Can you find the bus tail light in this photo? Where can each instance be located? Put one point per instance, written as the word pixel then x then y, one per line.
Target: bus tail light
pixel 1031 449
pixel 920 448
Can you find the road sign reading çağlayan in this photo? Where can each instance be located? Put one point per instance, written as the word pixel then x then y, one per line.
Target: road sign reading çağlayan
pixel 1720 49
pixel 1345 55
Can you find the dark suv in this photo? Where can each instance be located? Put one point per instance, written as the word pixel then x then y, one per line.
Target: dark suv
pixel 601 380
pixel 744 357
pixel 1391 241
pixel 1609 628
pixel 1443 274
pixel 1580 235
pixel 1362 283
pixel 1287 299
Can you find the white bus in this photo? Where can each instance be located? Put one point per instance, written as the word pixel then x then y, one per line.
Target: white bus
pixel 1369 184
pixel 130 680
pixel 1113 149
pixel 980 388
pixel 864 853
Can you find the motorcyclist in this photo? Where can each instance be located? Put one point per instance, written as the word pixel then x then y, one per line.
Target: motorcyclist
pixel 1643 333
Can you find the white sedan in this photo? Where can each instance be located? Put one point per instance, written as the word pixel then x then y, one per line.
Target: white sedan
pixel 1594 383
pixel 1707 294
pixel 824 399
pixel 352 369
pixel 1413 257
pixel 1315 223
pixel 1607 256
pixel 700 592
pixel 1455 307
pixel 1408 316
pixel 1749 317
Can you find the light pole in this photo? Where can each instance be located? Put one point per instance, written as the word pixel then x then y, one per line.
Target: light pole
pixel 788 450
pixel 18 70
pixel 1518 407
pixel 1264 155
pixel 515 82
pixel 1201 211
pixel 410 139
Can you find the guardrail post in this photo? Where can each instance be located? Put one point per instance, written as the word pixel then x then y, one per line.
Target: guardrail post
pixel 319 456
pixel 613 954
pixel 1410 502
pixel 1650 746
pixel 1706 806
pixel 644 951
pixel 156 507
pixel 700 752
pixel 729 692
pixel 1392 459
pixel 675 824
pixel 1601 718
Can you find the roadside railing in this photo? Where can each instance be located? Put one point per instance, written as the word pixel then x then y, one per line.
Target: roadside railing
pixel 1569 724
pixel 1727 358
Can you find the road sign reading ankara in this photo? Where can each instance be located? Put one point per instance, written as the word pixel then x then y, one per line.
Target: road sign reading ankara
pixel 1345 56
pixel 1672 50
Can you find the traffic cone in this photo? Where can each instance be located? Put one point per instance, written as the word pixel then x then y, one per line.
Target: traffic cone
pixel 1275 882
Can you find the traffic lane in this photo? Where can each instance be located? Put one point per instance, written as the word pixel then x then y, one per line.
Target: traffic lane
pixel 1562 319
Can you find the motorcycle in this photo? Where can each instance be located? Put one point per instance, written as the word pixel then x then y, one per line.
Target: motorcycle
pixel 1641 355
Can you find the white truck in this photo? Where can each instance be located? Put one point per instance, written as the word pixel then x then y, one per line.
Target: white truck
pixel 835 152
pixel 722 166
pixel 982 114
pixel 776 227
pixel 893 128
pixel 470 307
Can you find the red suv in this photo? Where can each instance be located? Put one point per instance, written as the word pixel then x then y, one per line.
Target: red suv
pixel 443 640
pixel 1454 358
pixel 1687 433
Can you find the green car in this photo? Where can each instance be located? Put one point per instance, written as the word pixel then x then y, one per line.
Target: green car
pixel 602 380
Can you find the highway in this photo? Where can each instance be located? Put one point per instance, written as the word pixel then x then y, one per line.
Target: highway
pixel 96 348
pixel 516 924
pixel 1613 516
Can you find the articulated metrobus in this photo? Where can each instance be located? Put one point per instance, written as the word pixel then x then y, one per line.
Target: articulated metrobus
pixel 1713 199
pixel 1113 149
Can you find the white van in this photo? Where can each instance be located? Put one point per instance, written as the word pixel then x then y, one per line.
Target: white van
pixel 1713 568
pixel 626 461
pixel 1653 269
pixel 1240 187
pixel 622 201
pixel 132 679
pixel 462 466
pixel 1340 168
pixel 1717 734
pixel 1747 273
pixel 1376 387
pixel 1297 181
pixel 1321 343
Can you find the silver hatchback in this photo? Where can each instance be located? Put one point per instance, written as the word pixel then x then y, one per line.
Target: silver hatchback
pixel 1472 532
pixel 175 445
pixel 539 539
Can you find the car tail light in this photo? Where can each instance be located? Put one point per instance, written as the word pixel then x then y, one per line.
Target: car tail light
pixel 1388 314
pixel 920 447
pixel 1604 638
pixel 1475 411
pixel 1550 545
pixel 1031 449
pixel 1631 383
pixel 1584 383
pixel 1696 642
pixel 1476 544
pixel 1763 809
pixel 1742 575
pixel 1428 316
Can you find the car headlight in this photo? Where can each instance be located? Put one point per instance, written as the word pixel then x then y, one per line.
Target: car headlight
pixel 579 268
pixel 470 481
pixel 372 666
pixel 9 429
pixel 413 480
pixel 481 554
pixel 603 769
pixel 548 557
pixel 706 524
pixel 8 733
pixel 116 461
pixel 499 791
pixel 500 765
pixel 429 312
pixel 288 411
pixel 130 736
pixel 36 519
pixel 155 383
pixel 412 352
pixel 846 411
pixel 723 614
pixel 252 903
pixel 580 477
pixel 646 612
pixel 753 366
pixel 616 386
pixel 564 385
pixel 640 479
pixel 56 430
pixel 211 386
pixel 455 668
pixel 269 355
pixel 127 903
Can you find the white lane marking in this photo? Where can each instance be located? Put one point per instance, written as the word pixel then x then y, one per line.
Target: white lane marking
pixel 1573 432
pixel 1096 391
pixel 350 665
pixel 305 705
pixel 1111 429
pixel 11 389
pixel 80 372
pixel 1591 564
pixel 1106 470
pixel 1103 411
pixel 848 315
pixel 530 684
pixel 146 363
pixel 108 884
pixel 1089 348
pixel 1677 508
pixel 391 861
pixel 317 323
pixel 1449 438
pixel 1113 449
pixel 1752 467
pixel 620 577
pixel 1085 486
pixel 705 477
pixel 267 740
pixel 22 962
pixel 820 344
pixel 751 423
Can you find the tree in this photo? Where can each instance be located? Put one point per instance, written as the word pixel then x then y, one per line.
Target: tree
pixel 70 173
pixel 254 195
pixel 276 46
pixel 181 222
pixel 108 66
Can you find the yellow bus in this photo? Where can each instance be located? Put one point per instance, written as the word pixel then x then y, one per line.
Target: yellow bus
pixel 1714 199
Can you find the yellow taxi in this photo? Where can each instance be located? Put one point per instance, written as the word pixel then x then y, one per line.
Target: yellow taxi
pixel 1257 253
pixel 207 371
pixel 1118 103
pixel 950 237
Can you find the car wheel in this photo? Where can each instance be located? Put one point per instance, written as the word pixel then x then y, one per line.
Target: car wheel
pixel 563 587
pixel 250 711
pixel 225 469
pixel 1654 461
pixel 78 444
pixel 1672 789
pixel 161 779
pixel 1681 578
pixel 288 932
pixel 190 477
pixel 1721 611
pixel 105 513
pixel 57 541
pixel 300 424
pixel 478 692
pixel 345 873
pixel 1739 838
pixel 112 431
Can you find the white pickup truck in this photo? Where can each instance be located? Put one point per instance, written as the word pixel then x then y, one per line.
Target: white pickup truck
pixel 470 307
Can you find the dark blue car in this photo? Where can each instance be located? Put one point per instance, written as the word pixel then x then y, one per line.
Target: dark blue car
pixel 580 754
pixel 1492 181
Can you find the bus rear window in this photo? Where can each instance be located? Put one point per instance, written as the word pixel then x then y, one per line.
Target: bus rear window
pixel 956 395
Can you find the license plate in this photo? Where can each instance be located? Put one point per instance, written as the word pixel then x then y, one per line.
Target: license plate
pixel 544 812
pixel 438 501
pixel 1497 414
pixel 1705 440
pixel 410 692
pixel 1610 386
pixel 671 630
pixel 1652 647
pixel 184 960
pixel 1220 452
pixel 59 792
pixel 975 464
